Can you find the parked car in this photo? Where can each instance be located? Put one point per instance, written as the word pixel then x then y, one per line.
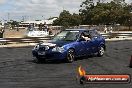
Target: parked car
pixel 70 44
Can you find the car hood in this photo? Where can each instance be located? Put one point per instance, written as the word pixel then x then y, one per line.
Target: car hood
pixel 56 43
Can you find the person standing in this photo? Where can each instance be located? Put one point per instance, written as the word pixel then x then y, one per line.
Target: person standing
pixel 105 29
pixel 45 27
pixel 111 29
pixel 50 31
pixel 1 32
pixel 40 27
pixel 17 26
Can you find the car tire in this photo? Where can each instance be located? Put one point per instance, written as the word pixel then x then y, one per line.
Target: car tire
pixel 70 56
pixel 101 51
pixel 39 60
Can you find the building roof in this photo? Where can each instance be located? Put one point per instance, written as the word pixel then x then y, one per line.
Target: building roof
pixel 41 21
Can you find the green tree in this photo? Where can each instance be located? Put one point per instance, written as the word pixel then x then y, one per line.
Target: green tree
pixel 13 23
pixel 66 19
pixel 119 1
pixel 86 11
pixel 63 19
pixel 75 20
pixel 115 11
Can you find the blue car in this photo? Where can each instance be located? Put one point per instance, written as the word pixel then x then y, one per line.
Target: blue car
pixel 70 44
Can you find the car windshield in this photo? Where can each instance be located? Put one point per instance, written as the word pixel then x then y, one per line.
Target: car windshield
pixel 67 36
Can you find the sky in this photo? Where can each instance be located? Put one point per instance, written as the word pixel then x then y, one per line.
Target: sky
pixel 37 9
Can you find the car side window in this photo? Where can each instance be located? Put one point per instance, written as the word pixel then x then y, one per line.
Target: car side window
pixel 87 34
pixel 84 36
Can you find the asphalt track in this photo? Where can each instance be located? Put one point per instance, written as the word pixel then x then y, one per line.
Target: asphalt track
pixel 17 69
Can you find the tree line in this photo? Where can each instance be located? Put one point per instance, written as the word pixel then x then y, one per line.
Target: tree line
pixel 100 13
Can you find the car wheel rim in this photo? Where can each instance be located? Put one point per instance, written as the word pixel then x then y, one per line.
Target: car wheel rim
pixel 71 55
pixel 101 51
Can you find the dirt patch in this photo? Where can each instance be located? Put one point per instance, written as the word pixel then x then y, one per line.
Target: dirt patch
pixel 14 33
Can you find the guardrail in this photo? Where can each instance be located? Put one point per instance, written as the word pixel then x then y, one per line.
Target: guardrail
pixel 39 39
pixel 23 40
pixel 117 35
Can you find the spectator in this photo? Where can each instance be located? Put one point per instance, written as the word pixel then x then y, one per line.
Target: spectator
pixel 105 29
pixel 111 29
pixel 40 26
pixel 50 31
pixel 29 27
pixel 17 27
pixel 45 27
pixel 1 33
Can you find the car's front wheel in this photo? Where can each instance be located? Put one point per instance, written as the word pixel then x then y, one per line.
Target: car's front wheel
pixel 70 55
pixel 39 60
pixel 101 51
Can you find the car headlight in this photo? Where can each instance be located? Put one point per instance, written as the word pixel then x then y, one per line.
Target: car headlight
pixel 36 47
pixel 58 49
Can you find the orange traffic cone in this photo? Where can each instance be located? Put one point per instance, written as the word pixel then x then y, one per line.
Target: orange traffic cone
pixel 130 65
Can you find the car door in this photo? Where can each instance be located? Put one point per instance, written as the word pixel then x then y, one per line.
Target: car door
pixel 89 44
pixel 80 48
pixel 94 41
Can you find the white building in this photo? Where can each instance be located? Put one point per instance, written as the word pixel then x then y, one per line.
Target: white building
pixel 36 23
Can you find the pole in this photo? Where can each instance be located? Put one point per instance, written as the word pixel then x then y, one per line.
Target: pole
pixel 8 17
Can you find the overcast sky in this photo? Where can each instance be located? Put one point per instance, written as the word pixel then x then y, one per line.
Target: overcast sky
pixel 37 9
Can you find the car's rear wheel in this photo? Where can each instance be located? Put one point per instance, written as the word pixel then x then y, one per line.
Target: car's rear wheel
pixel 70 55
pixel 101 51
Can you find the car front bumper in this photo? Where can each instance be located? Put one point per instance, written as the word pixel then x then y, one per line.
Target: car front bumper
pixel 49 55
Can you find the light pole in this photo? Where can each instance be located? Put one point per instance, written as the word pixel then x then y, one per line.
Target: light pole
pixel 130 21
pixel 8 16
pixel 130 16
